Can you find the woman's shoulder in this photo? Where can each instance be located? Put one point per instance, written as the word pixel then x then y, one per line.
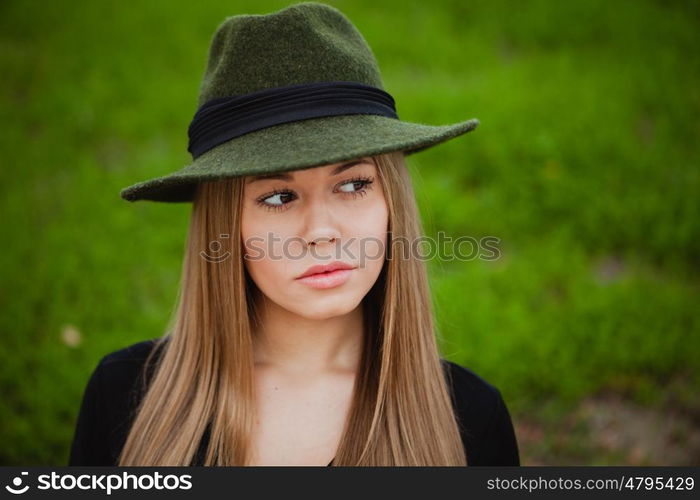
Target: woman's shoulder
pixel 485 422
pixel 121 370
pixel 466 382
pixel 135 353
pixel 112 393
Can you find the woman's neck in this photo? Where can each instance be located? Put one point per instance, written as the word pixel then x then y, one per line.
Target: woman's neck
pixel 300 345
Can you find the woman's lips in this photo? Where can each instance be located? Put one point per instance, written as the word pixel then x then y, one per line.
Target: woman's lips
pixel 327 280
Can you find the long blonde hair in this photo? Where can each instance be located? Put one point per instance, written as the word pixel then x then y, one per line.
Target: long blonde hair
pixel 401 413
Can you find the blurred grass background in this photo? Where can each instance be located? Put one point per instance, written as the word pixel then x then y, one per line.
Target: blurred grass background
pixel 585 166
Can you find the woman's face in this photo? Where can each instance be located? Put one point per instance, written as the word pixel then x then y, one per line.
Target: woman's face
pixel 341 209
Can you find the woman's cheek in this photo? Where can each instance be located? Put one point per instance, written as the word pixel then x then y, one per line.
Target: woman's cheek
pixel 370 225
pixel 261 236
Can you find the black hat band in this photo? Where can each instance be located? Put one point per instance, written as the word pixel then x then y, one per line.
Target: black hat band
pixel 224 118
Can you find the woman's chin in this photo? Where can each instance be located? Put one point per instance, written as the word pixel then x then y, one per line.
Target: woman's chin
pixel 319 309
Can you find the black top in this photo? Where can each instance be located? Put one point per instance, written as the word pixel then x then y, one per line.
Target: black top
pixel 114 390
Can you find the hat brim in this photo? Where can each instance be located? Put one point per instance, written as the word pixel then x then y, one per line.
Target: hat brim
pixel 297 145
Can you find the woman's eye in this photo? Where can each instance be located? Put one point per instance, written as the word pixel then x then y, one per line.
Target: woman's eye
pixel 276 201
pixel 357 186
pixel 352 186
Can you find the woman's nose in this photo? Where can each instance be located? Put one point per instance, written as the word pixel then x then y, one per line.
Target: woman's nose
pixel 316 241
pixel 320 225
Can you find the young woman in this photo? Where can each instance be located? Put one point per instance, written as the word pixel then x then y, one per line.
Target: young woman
pixel 304 333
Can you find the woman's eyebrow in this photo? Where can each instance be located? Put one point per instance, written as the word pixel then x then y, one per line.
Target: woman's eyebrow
pixel 290 177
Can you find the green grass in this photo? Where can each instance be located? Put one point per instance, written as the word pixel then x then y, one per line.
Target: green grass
pixel 586 153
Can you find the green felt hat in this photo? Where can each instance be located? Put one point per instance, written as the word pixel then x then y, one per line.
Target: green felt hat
pixel 293 89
